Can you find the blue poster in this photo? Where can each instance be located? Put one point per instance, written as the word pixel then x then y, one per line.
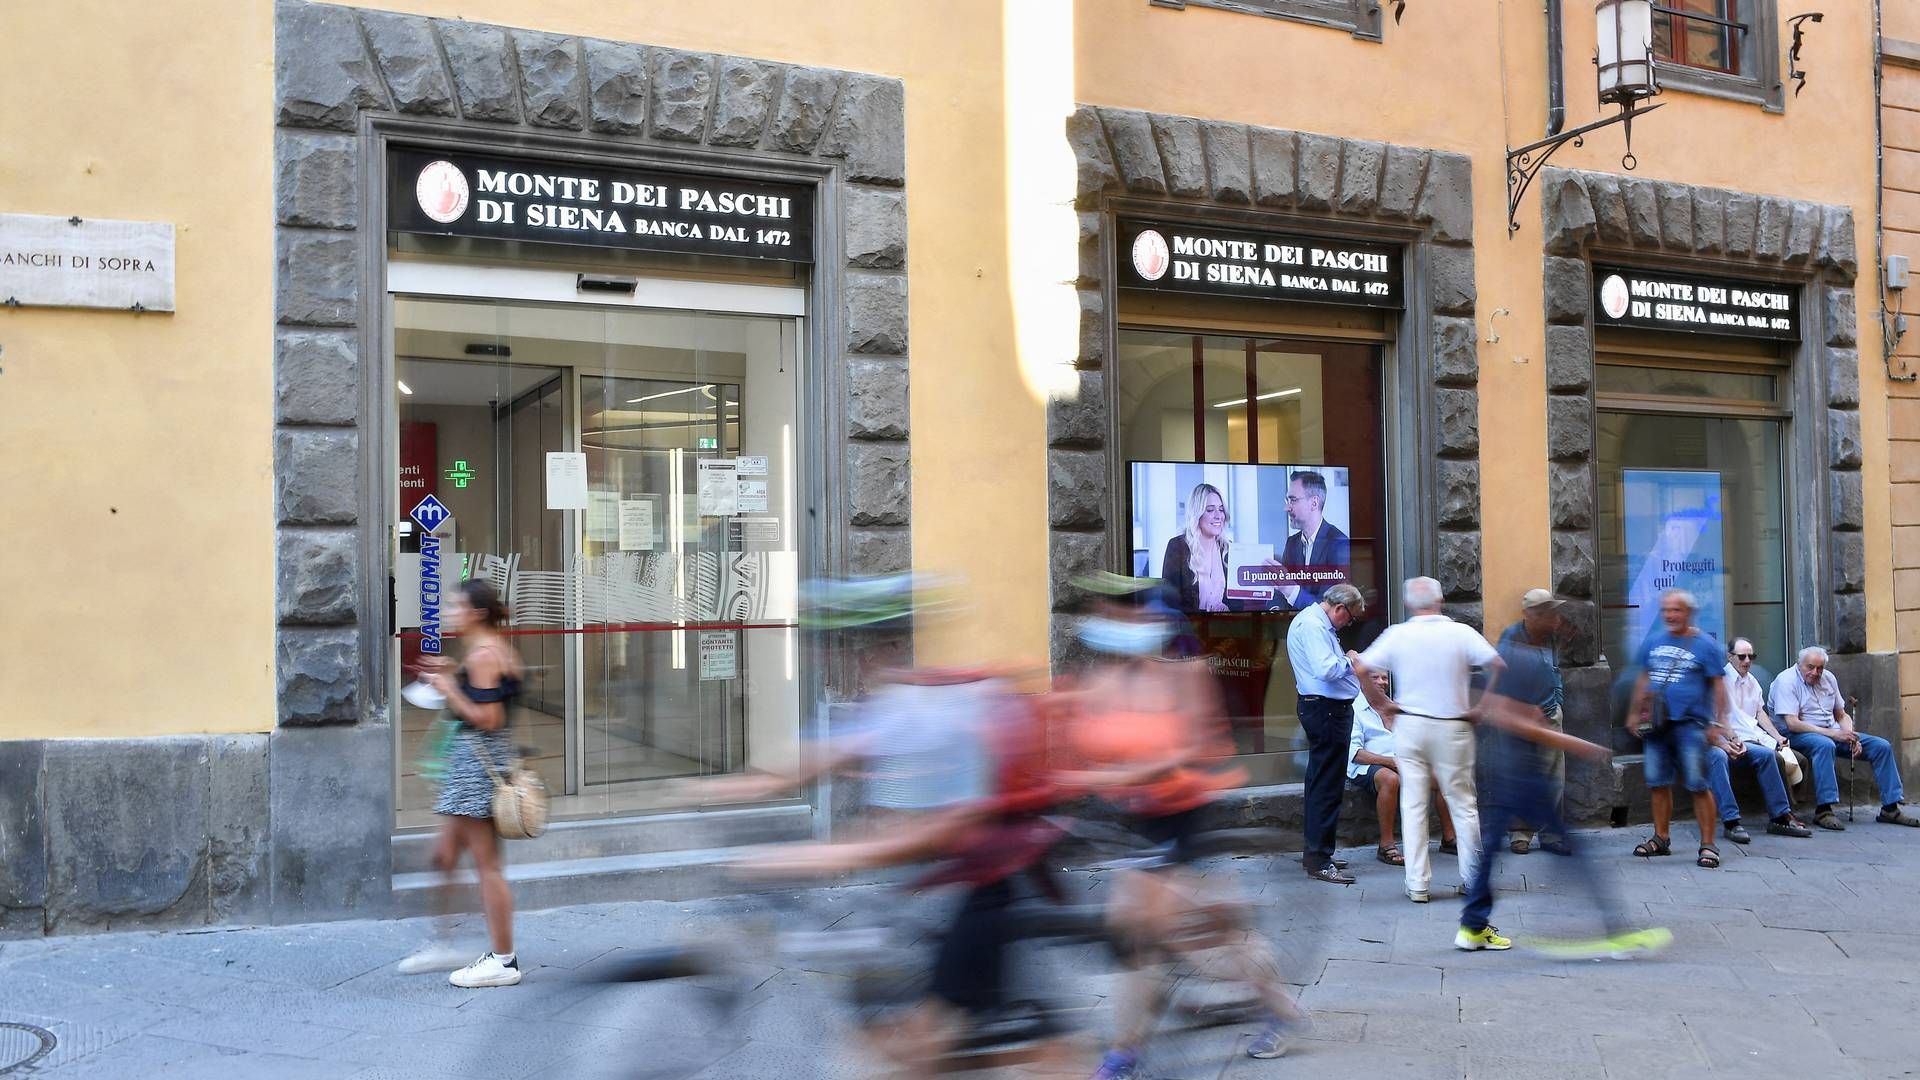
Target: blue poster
pixel 1673 523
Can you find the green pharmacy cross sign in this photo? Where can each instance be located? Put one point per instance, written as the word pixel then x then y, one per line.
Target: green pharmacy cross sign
pixel 460 474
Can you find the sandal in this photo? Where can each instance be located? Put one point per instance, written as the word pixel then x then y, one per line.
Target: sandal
pixel 1520 845
pixel 1654 845
pixel 1709 857
pixel 1390 854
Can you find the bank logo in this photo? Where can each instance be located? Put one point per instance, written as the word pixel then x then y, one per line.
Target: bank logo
pixel 442 191
pixel 1150 255
pixel 431 513
pixel 1613 296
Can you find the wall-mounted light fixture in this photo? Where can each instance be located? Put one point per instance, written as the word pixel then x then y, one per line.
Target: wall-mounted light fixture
pixel 1795 73
pixel 1624 65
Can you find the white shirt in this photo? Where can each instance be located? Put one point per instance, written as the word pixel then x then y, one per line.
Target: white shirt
pixel 1746 697
pixel 1370 734
pixel 1431 658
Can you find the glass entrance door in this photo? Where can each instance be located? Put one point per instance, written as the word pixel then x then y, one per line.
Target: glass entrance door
pixel 625 479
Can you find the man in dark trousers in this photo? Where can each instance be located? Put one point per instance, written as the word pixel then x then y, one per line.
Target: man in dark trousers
pixel 1323 676
pixel 1317 543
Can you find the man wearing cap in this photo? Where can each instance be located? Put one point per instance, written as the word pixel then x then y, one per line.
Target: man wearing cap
pixel 1752 742
pixel 1536 635
pixel 1323 677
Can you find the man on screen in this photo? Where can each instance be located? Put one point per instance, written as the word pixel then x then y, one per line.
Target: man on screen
pixel 1317 543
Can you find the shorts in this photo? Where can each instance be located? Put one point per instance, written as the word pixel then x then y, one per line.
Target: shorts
pixel 1682 745
pixel 1365 781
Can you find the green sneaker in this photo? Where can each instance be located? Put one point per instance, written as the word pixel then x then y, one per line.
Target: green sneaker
pixel 1484 938
pixel 1639 943
pixel 1572 948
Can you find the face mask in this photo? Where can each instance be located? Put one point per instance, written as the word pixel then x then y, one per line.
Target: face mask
pixel 1125 638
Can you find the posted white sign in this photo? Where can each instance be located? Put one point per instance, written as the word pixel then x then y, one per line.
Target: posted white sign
pixel 566 481
pixel 719 656
pixel 87 263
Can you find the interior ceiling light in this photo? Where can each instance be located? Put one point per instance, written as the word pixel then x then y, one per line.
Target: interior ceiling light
pixel 404 388
pixel 1288 392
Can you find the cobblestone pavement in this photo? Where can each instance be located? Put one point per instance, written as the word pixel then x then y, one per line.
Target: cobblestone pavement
pixel 1798 958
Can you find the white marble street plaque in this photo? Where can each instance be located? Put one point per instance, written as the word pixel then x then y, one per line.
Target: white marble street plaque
pixel 90 263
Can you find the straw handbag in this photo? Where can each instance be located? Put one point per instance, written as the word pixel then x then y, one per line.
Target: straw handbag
pixel 519 800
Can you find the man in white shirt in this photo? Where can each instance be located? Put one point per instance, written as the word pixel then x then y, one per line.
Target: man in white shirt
pixel 1372 768
pixel 1807 700
pixel 1431 659
pixel 1751 741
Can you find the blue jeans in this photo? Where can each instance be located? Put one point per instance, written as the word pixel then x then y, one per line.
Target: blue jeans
pixel 1760 761
pixel 1821 751
pixel 1682 747
pixel 1515 782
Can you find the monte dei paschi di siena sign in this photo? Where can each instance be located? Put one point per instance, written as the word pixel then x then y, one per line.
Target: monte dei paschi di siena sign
pixel 525 199
pixel 1691 303
pixel 1249 263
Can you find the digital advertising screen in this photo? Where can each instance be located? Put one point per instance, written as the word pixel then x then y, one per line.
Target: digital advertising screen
pixel 1241 537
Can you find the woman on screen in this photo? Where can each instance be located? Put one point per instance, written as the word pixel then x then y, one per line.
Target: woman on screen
pixel 1195 565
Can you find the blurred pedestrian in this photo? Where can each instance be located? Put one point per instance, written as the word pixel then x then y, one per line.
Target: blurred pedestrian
pixel 1515 752
pixel 479 696
pixel 1538 632
pixel 1152 735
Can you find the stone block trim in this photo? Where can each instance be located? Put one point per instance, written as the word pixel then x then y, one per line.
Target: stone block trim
pixel 87 852
pixel 1627 216
pixel 1425 195
pixel 334 63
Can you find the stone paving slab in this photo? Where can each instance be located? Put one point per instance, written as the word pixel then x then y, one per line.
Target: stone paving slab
pixel 1797 958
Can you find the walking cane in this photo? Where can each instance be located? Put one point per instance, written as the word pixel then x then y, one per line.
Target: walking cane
pixel 1853 706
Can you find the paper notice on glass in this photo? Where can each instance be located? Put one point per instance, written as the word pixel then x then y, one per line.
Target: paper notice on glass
pixel 566 481
pixel 759 530
pixel 603 516
pixel 751 497
pixel 719 655
pixel 636 524
pixel 719 490
pixel 750 466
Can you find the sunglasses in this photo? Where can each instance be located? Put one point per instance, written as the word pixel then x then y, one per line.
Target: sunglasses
pixel 1743 656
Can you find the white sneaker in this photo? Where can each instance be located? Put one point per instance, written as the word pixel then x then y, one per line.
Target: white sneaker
pixel 433 956
pixel 489 970
pixel 1418 896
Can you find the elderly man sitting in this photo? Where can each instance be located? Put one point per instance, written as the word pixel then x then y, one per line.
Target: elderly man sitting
pixel 1372 768
pixel 1750 741
pixel 1807 700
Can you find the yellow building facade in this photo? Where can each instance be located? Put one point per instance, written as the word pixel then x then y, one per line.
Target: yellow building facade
pixel 883 287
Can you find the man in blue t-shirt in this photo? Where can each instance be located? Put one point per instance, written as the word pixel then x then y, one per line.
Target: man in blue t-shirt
pixel 1681 663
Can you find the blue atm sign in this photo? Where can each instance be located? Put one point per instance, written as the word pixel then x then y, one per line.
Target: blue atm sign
pixel 431 513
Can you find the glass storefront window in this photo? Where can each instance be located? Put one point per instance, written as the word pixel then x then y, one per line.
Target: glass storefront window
pixel 1694 501
pixel 655 609
pixel 1645 381
pixel 1289 435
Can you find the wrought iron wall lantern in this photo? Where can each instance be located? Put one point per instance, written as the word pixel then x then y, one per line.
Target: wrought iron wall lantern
pixel 1624 65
